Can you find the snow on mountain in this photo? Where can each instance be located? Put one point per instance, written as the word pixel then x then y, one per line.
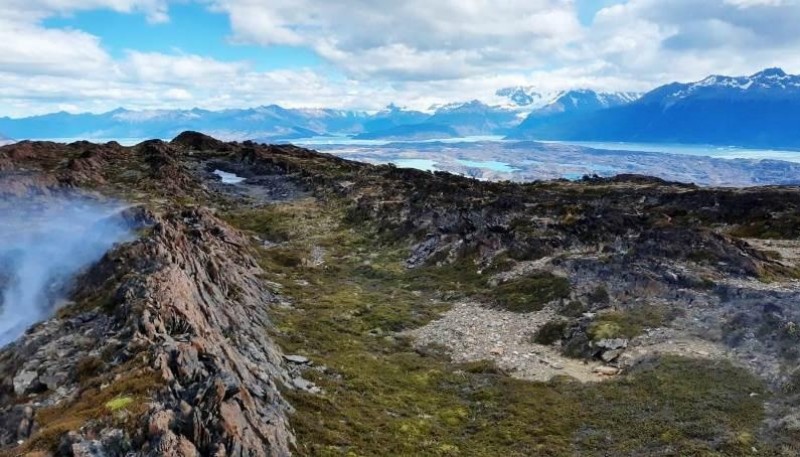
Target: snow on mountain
pixel 760 110
pixel 526 97
pixel 770 83
pixel 581 100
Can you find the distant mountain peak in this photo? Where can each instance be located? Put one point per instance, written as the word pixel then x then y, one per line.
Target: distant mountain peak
pixel 760 110
pixel 472 105
pixel 770 73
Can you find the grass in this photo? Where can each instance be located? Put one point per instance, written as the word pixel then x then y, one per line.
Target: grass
pixel 528 294
pixel 116 403
pixel 628 323
pixel 381 396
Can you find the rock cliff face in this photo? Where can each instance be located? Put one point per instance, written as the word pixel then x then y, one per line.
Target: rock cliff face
pixel 168 344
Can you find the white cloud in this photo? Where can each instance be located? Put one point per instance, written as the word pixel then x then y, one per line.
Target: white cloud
pixel 30 49
pixel 416 52
pixel 417 39
pixel 752 3
pixel 35 10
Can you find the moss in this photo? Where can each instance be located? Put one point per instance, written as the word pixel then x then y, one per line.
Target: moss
pixel 119 404
pixel 126 386
pixel 528 294
pixel 782 226
pixel 629 323
pixel 702 256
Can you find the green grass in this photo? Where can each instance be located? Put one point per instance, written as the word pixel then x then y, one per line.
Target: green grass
pixel 382 397
pixel 628 323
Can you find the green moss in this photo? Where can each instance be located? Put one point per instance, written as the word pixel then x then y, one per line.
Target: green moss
pixel 528 294
pixel 119 404
pixel 629 323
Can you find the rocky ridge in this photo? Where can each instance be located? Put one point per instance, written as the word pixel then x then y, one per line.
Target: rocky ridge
pixel 168 343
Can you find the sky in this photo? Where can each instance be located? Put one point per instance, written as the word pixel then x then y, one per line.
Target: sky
pixel 97 55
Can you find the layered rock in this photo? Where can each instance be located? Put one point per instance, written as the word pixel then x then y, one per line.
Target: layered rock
pixel 183 305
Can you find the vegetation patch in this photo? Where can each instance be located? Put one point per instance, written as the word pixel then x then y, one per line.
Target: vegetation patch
pixel 785 226
pixel 119 404
pixel 551 332
pixel 531 293
pixel 95 403
pixel 629 323
pixel 381 396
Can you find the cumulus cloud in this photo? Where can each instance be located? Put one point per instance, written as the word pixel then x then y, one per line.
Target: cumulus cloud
pixel 686 39
pixel 420 39
pixel 417 53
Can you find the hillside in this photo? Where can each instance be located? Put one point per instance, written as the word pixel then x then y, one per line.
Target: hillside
pixel 757 111
pixel 328 307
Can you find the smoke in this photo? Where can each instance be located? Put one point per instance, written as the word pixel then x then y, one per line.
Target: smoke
pixel 43 246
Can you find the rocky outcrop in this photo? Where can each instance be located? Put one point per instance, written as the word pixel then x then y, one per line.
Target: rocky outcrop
pixel 184 305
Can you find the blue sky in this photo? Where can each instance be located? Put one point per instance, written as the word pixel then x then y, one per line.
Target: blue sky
pixel 191 29
pixel 95 55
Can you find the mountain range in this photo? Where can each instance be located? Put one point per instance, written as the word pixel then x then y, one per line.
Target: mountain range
pixel 274 123
pixel 761 110
pixel 758 110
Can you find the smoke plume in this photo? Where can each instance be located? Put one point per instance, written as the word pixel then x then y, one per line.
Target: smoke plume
pixel 43 246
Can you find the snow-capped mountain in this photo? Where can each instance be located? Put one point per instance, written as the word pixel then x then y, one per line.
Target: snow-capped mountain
pixel 772 83
pixel 526 97
pixel 584 100
pixel 758 110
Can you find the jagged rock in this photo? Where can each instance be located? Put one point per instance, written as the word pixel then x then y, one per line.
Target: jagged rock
pixel 25 381
pixel 191 302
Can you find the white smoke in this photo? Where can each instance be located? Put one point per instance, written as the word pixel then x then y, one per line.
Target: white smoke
pixel 42 247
